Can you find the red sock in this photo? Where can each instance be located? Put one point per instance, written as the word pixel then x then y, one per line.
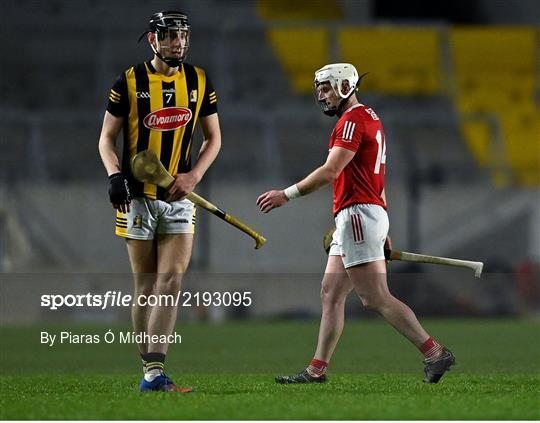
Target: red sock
pixel 317 368
pixel 431 349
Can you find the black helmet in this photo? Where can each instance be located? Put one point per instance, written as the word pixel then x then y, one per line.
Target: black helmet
pixel 167 23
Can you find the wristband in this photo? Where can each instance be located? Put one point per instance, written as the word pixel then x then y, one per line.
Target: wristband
pixel 292 192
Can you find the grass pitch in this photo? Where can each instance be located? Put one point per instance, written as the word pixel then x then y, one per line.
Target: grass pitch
pixel 375 374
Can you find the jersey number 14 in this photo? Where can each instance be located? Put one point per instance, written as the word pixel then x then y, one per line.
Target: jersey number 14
pixel 381 152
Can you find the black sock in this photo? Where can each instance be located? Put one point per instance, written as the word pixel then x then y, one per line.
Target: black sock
pixel 143 363
pixel 153 361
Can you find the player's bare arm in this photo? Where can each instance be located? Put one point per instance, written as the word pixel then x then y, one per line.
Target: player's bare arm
pixel 185 182
pixel 112 126
pixel 337 159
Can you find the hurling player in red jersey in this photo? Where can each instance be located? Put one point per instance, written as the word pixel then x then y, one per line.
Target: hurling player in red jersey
pixel 355 165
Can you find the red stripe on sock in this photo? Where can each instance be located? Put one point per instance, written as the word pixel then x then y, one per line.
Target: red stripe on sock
pixel 319 364
pixel 426 346
pixel 317 368
pixel 430 348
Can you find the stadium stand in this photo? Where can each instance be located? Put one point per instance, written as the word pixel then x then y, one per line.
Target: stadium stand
pixel 496 73
pixel 326 10
pixel 300 51
pixel 491 74
pixel 401 61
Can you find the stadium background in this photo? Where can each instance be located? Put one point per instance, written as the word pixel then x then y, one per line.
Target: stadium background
pixel 457 87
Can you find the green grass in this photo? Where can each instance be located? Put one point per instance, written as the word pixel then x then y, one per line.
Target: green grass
pixel 353 397
pixel 375 374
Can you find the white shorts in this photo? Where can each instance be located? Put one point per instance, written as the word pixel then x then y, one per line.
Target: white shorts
pixel 149 217
pixel 361 230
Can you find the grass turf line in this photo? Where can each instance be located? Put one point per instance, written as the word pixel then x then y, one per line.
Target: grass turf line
pixel 355 397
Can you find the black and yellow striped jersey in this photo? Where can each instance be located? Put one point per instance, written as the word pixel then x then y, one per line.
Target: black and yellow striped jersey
pixel 160 113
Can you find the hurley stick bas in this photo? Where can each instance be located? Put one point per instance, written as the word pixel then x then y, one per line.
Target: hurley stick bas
pixel 147 167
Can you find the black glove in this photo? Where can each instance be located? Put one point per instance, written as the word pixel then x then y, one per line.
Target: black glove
pixel 119 192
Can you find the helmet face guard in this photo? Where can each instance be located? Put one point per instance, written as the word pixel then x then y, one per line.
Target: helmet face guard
pixel 172 32
pixel 324 93
pixel 328 83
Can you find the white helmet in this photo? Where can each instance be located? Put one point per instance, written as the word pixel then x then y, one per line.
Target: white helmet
pixel 336 73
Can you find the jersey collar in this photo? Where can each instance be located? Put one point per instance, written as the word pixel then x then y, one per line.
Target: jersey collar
pixel 153 71
pixel 354 106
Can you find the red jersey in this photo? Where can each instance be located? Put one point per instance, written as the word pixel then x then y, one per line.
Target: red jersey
pixel 360 130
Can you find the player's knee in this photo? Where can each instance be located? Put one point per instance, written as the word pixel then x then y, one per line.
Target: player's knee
pixel 169 283
pixel 371 302
pixel 375 301
pixel 145 290
pixel 331 297
pixel 145 286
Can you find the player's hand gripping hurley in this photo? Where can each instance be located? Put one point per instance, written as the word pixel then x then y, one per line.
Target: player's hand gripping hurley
pixel 147 167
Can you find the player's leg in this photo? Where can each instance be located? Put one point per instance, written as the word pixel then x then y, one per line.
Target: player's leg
pixel 363 257
pixel 174 241
pixel 138 227
pixel 174 254
pixel 142 256
pixel 334 290
pixel 370 283
pixel 365 229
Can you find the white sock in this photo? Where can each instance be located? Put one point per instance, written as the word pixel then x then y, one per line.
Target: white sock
pixel 150 375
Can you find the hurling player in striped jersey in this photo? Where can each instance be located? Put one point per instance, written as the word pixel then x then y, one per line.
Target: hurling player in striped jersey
pixel 356 166
pixel 157 105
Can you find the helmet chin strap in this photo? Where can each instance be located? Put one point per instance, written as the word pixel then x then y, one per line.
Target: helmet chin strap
pixel 340 107
pixel 330 112
pixel 337 110
pixel 172 62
